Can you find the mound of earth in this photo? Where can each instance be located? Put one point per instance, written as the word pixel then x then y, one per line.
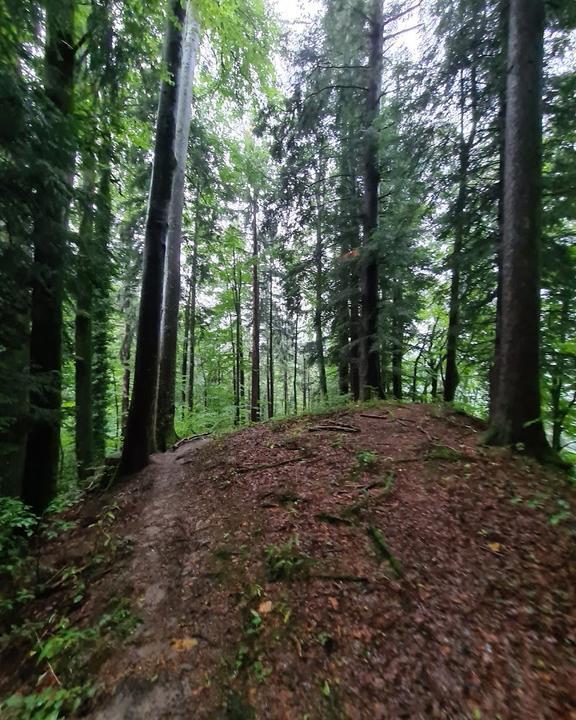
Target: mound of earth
pixel 374 563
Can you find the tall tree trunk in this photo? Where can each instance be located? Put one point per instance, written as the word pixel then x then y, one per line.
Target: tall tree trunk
pixel 85 277
pixel 295 388
pixel 166 404
pixel 185 343
pixel 397 341
pixel 103 220
pixel 238 344
pixel 270 346
pixel 370 383
pixel 101 298
pixel 139 441
pixel 501 129
pixel 255 394
pixel 286 387
pixel 354 346
pixel 319 282
pixel 125 355
pixel 193 296
pixel 516 415
pixel 50 241
pixel 557 371
pixel 460 230
pixel 14 363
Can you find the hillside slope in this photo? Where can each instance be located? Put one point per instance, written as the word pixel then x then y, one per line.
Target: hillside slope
pixel 374 563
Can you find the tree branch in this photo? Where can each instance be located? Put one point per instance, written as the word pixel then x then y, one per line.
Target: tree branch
pixel 335 87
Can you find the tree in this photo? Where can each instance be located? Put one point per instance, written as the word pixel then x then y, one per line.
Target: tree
pixel 255 392
pixel 165 410
pixel 517 414
pixel 139 441
pixel 370 382
pixel 50 236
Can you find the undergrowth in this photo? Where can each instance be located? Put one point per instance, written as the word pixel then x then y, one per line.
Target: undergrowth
pixel 56 654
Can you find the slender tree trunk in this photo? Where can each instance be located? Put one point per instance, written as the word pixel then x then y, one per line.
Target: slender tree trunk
pixel 238 330
pixel 101 303
pixel 15 362
pixel 139 441
pixel 517 411
pixel 354 347
pixel 85 277
pixel 255 394
pixel 319 281
pixel 184 365
pixel 103 220
pixel 370 383
pixel 397 341
pixel 296 364
pixel 460 229
pixel 270 346
pixel 166 404
pixel 286 387
pixel 501 128
pixel 557 371
pixel 125 355
pixel 193 303
pixel 50 241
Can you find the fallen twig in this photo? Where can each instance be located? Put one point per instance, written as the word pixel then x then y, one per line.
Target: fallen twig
pixel 431 438
pixel 334 428
pixel 370 500
pixel 266 466
pixel 383 550
pixel 188 439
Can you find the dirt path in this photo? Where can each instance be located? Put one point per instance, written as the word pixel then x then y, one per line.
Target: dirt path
pixel 389 568
pixel 167 551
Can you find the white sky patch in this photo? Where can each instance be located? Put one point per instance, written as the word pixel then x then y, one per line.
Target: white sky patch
pixel 295 11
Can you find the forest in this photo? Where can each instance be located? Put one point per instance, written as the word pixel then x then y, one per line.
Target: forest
pixel 218 216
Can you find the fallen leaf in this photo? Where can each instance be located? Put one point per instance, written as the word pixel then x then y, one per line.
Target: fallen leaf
pixel 495 547
pixel 265 607
pixel 183 644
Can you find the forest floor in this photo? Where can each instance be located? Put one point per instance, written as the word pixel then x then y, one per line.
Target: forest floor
pixel 368 563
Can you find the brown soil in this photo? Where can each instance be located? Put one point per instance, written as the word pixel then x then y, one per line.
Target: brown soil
pixel 411 573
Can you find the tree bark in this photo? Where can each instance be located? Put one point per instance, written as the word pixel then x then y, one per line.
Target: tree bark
pixel 193 302
pixel 85 276
pixel 270 346
pixel 184 365
pixel 319 281
pixel 460 229
pixel 397 341
pixel 236 291
pixel 255 394
pixel 295 379
pixel 102 232
pixel 14 362
pixel 139 441
pixel 354 348
pixel 50 241
pixel 516 415
pixel 166 404
pixel 370 383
